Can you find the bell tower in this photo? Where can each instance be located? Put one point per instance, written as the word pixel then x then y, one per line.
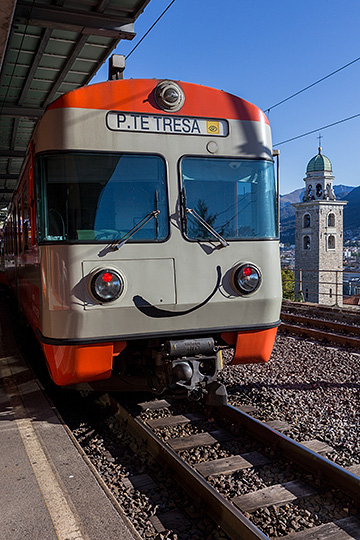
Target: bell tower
pixel 319 237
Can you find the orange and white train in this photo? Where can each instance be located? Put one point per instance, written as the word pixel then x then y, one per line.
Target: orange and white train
pixel 142 237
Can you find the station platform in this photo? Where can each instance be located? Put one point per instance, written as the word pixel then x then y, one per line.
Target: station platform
pixel 48 490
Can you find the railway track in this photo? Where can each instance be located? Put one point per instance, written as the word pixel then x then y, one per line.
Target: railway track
pixel 236 518
pixel 340 333
pixel 152 425
pixel 331 313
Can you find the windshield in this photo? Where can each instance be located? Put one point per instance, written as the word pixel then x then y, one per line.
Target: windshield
pixel 236 197
pixel 101 197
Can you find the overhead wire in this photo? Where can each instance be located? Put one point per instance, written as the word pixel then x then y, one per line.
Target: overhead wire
pixel 151 27
pixel 318 129
pixel 303 90
pixel 311 85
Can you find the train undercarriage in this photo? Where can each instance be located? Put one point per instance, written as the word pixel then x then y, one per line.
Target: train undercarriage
pixel 180 368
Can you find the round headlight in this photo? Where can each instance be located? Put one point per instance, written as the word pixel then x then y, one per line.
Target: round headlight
pixel 107 285
pixel 169 96
pixel 246 278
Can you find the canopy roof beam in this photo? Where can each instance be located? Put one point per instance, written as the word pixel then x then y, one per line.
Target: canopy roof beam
pixel 22 112
pixel 74 20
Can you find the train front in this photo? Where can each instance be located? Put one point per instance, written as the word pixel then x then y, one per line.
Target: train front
pixel 158 236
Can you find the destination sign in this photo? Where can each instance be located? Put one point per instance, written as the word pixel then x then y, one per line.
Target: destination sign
pixel 176 125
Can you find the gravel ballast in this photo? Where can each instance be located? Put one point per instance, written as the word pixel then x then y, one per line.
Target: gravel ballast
pixel 313 387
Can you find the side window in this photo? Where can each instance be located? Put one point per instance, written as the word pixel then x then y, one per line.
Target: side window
pixel 331 220
pixel 306 242
pixel 26 219
pixel 19 225
pixel 307 221
pixel 9 236
pixel 331 242
pixel 14 231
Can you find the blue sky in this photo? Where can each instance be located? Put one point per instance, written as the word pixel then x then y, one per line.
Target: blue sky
pixel 264 51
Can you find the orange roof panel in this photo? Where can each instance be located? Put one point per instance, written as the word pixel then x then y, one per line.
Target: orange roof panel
pixel 136 95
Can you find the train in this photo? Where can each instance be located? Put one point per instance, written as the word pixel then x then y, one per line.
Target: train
pixel 142 238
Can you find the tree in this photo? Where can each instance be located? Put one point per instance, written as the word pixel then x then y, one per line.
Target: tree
pixel 288 283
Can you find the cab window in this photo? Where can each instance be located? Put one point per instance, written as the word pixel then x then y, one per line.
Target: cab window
pixel 96 197
pixel 236 197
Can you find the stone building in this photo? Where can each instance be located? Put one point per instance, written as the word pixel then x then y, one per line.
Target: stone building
pixel 319 237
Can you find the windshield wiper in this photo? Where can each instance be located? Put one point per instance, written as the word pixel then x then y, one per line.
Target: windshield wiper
pixel 156 217
pixel 134 230
pixel 207 226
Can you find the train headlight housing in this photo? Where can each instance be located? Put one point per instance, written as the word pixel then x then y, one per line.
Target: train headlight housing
pixel 107 285
pixel 246 278
pixel 169 96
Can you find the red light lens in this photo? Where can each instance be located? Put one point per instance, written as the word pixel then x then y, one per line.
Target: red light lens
pixel 107 277
pixel 246 278
pixel 107 285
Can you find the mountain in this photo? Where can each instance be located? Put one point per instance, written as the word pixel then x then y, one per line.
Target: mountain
pixel 287 211
pixel 352 214
pixel 290 198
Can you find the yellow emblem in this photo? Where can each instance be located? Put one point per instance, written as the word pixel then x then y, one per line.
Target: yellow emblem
pixel 213 127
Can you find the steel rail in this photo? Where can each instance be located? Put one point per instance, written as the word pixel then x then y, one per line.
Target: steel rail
pixel 330 313
pixel 340 339
pixel 319 323
pixel 320 466
pixel 230 519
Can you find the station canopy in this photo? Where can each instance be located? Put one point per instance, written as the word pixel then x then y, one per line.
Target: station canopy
pixel 47 48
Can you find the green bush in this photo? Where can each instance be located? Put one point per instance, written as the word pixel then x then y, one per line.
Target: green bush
pixel 288 284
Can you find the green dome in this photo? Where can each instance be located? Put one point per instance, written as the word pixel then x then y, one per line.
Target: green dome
pixel 319 163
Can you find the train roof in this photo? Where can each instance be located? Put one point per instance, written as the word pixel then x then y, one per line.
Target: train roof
pixel 137 95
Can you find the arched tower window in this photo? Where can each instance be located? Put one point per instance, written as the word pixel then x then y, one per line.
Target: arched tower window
pixel 319 190
pixel 331 241
pixel 306 221
pixel 306 244
pixel 331 220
